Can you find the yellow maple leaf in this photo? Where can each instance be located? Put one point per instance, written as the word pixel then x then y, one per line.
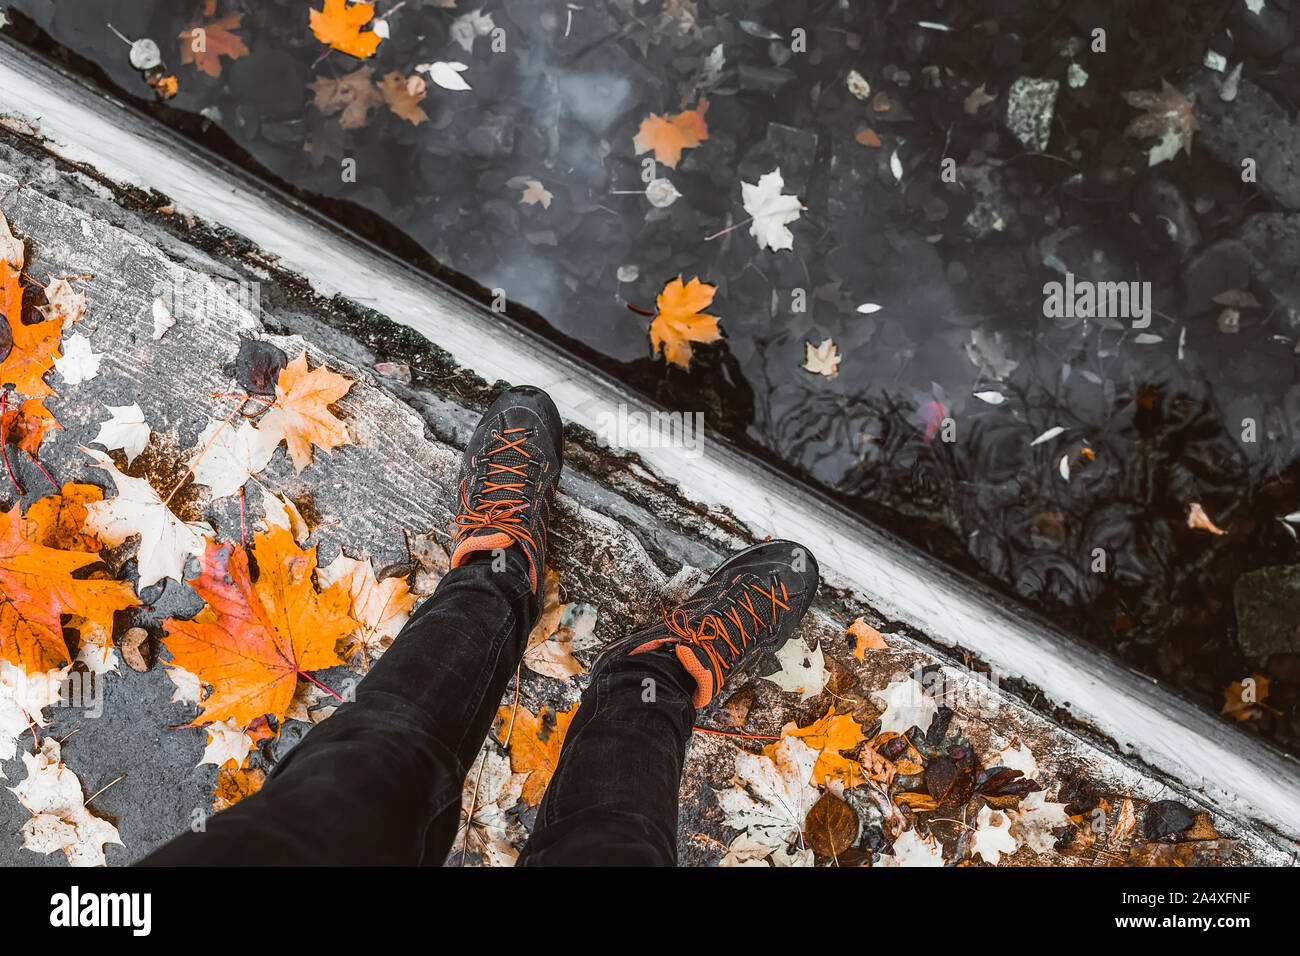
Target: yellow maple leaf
pixel 534 744
pixel 300 416
pixel 339 25
pixel 679 321
pixel 828 736
pixel 669 135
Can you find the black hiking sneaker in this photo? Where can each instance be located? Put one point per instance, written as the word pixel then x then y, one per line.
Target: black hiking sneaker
pixel 507 481
pixel 748 607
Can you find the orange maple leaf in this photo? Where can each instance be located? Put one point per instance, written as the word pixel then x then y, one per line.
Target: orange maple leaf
pixel 866 638
pixel 680 322
pixel 300 416
pixel 36 587
pixel 669 135
pixel 535 741
pixel 403 96
pixel 234 785
pixel 58 520
pixel 252 641
pixel 215 40
pixel 35 346
pixel 26 425
pixel 339 25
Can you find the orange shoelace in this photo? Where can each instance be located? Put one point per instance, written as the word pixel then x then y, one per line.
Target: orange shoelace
pixel 714 626
pixel 502 514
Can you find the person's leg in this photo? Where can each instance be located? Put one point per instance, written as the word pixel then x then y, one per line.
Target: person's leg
pixel 614 795
pixel 613 798
pixel 380 781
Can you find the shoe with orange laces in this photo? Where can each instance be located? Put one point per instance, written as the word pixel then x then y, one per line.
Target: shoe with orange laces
pixel 748 608
pixel 507 481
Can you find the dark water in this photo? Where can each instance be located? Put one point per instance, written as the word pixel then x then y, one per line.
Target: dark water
pixel 1152 420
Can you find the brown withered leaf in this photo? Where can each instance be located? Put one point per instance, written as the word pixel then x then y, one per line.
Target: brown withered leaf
pixel 831 826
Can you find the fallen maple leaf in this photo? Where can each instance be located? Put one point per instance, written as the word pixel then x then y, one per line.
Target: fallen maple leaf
pixel 25 425
pixel 166 542
pixel 679 321
pixel 252 641
pixel 865 638
pixel 11 247
pixel 60 820
pixel 300 416
pixel 339 25
pixel 209 42
pixel 992 836
pixel 125 429
pixel 352 96
pixel 534 744
pixel 491 789
pixel 79 362
pixel 35 346
pixel 771 796
pixel 234 785
pixel 822 359
pixel 23 699
pixel 551 642
pixel 58 520
pixel 36 587
pixel 770 211
pixel 907 705
pixel 913 849
pixel 1167 115
pixel 228 455
pixel 802 672
pixel 63 303
pixel 380 608
pixel 227 744
pixel 828 736
pixel 669 135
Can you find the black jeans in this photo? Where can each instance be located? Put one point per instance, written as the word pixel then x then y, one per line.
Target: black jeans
pixel 380 781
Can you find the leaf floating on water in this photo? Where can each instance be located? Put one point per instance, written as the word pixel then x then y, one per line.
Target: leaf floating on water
pixel 679 321
pixel 991 397
pixel 669 135
pixel 1047 435
pixel 770 211
pixel 822 359
pixel 896 166
pixel 867 308
pixel 858 85
pixel 446 74
pixel 1198 519
pixel 1147 338
pixel 758 30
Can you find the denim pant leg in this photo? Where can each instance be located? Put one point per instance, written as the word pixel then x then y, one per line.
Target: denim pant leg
pixel 380 781
pixel 613 799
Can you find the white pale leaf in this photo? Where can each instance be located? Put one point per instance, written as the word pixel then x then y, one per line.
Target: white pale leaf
pixel 125 429
pixel 991 396
pixel 771 795
pixel 23 699
pixel 446 74
pixel 771 211
pixel 165 540
pixel 162 319
pixel 464 29
pixel 1047 435
pixel 907 705
pixel 1032 824
pixel 79 362
pixel 867 308
pixel 11 248
pixel 802 672
pixel 1064 467
pixel 912 849
pixel 235 454
pixel 64 303
pixel 992 835
pixel 896 166
pixel 226 743
pixel 60 820
pixel 188 688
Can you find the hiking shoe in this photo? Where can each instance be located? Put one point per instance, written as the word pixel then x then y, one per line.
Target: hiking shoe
pixel 507 480
pixel 748 607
